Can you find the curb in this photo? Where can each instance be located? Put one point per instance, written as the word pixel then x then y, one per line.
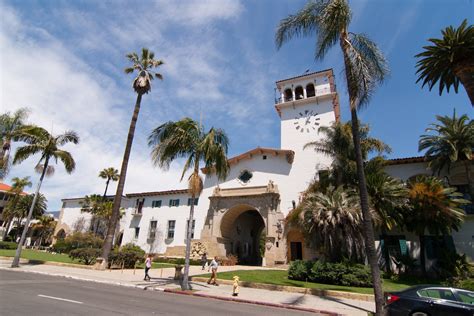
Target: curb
pixel 294 289
pixel 172 291
pixel 238 300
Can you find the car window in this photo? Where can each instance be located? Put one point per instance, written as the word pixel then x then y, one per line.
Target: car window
pixel 444 294
pixel 466 296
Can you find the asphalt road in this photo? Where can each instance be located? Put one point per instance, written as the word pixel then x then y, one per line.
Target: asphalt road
pixel 34 294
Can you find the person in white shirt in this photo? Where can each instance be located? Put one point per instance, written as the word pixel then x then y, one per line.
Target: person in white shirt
pixel 213 267
pixel 148 267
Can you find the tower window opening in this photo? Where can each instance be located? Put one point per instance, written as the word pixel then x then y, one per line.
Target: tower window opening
pixel 264 157
pixel 299 94
pixel 310 92
pixel 288 95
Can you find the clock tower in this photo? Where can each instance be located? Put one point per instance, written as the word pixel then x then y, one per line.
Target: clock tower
pixel 305 104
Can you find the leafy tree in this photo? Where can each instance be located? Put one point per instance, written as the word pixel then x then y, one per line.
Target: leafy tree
pixel 433 208
pixel 11 127
pixel 364 67
pixel 142 85
pixel 109 174
pixel 19 210
pixel 452 141
pixel 334 221
pixel 187 139
pixel 44 229
pixel 40 141
pixel 100 209
pixel 18 185
pixel 449 61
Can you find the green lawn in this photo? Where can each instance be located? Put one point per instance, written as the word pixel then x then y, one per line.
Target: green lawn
pixel 280 277
pixel 38 255
pixel 47 256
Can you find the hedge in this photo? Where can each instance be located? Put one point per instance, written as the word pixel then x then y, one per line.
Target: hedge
pixel 85 255
pixel 8 245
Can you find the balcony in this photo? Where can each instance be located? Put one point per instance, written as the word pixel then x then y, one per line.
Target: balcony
pixel 319 93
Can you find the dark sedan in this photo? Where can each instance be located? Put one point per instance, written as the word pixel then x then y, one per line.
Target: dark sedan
pixel 430 300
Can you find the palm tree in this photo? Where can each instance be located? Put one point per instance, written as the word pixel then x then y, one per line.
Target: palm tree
pixel 365 67
pixel 40 141
pixel 11 126
pixel 18 185
pixel 338 144
pixel 187 139
pixel 44 229
pixel 334 221
pixel 433 208
pixel 453 141
pixel 22 206
pixel 141 85
pixel 449 61
pixel 100 209
pixel 109 174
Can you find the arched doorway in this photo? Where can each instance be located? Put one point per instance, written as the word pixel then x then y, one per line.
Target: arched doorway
pixel 242 228
pixel 61 234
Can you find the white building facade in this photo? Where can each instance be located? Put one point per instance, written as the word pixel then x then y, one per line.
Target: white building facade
pixel 244 215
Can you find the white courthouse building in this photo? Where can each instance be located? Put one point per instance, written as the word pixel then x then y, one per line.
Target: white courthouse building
pixel 263 186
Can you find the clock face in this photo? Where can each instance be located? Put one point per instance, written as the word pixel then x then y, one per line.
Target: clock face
pixel 307 121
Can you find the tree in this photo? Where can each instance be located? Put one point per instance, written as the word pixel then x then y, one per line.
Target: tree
pixel 453 141
pixel 109 174
pixel 19 209
pixel 449 61
pixel 44 229
pixel 187 139
pixel 433 208
pixel 11 127
pixel 338 144
pixel 40 141
pixel 334 220
pixel 18 185
pixel 364 67
pixel 100 209
pixel 141 85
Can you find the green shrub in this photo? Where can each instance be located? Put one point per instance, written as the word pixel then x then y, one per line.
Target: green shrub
pixel 8 245
pixel 77 241
pixel 179 261
pixel 127 256
pixel 452 265
pixel 299 270
pixel 85 255
pixel 343 273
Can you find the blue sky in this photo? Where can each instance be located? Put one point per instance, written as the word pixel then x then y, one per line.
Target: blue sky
pixel 64 60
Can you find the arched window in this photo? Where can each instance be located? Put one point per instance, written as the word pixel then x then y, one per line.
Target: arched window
pixel 288 95
pixel 299 94
pixel 310 90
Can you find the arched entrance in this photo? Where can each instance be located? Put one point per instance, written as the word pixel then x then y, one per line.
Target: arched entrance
pixel 61 234
pixel 241 228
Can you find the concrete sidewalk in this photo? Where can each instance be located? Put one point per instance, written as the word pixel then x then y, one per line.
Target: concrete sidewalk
pixel 162 280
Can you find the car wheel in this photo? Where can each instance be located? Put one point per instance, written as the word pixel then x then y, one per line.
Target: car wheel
pixel 419 314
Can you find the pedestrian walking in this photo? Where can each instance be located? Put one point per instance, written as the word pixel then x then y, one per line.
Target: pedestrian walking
pixel 147 267
pixel 213 267
pixel 204 260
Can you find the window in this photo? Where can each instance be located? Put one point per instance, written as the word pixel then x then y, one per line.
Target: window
pixel 444 294
pixel 171 226
pixel 464 190
pixel 139 206
pixel 288 95
pixel 192 231
pixel 245 176
pixel 174 202
pixel 195 201
pixel 264 157
pixel 152 230
pixel 465 296
pixel 299 93
pixel 310 90
pixel 156 203
pixel 137 232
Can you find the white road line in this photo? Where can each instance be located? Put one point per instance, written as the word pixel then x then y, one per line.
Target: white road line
pixel 59 299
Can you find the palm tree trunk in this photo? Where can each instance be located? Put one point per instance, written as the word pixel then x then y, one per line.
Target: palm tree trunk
pixel 465 74
pixel 368 228
pixel 16 260
pixel 106 187
pixel 121 183
pixel 9 223
pixel 422 254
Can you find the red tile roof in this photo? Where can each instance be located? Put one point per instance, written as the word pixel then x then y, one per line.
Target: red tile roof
pixel 6 188
pixel 406 160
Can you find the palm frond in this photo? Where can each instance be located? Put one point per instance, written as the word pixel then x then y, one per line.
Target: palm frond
pixel 67 137
pixel 66 159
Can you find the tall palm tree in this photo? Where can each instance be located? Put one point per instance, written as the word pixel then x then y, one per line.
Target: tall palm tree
pixel 187 139
pixel 40 141
pixel 453 141
pixel 142 85
pixel 18 185
pixel 21 208
pixel 338 144
pixel 100 209
pixel 433 208
pixel 365 67
pixel 334 220
pixel 449 61
pixel 109 174
pixel 11 126
pixel 44 229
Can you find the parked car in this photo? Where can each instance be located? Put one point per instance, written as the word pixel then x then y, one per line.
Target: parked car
pixel 430 300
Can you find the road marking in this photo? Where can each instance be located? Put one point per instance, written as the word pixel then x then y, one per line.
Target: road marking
pixel 59 299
